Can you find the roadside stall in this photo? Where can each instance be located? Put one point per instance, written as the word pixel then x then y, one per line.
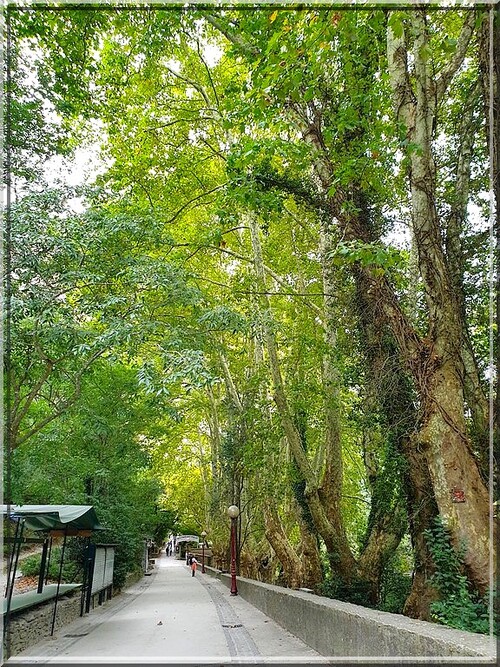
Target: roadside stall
pixel 48 522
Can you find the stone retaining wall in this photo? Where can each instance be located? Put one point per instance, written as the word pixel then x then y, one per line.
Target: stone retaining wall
pixel 29 626
pixel 341 629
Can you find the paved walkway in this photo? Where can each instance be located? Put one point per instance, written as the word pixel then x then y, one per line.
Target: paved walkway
pixel 171 617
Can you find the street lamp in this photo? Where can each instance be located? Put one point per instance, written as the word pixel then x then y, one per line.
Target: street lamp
pixel 233 512
pixel 203 534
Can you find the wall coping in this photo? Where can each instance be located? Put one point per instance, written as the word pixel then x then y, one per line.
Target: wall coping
pixel 448 641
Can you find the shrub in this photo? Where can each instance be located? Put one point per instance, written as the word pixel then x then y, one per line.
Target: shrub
pixel 356 591
pixel 395 588
pixel 459 606
pixel 30 566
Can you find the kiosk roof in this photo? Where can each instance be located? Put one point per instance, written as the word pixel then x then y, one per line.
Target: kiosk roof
pixel 54 517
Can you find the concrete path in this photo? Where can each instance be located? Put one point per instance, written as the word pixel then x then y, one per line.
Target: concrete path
pixel 171 617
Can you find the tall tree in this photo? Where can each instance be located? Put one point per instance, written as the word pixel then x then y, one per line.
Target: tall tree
pixel 443 436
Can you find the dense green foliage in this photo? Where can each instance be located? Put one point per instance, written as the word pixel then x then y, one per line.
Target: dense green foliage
pixel 458 606
pixel 71 570
pixel 246 301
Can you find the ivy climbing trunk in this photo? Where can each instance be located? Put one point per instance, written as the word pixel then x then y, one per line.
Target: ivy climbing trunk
pixel 308 552
pixel 443 436
pixel 393 398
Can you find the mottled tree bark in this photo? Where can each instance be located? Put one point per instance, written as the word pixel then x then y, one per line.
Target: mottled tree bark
pixel 393 398
pixel 443 436
pixel 338 549
pixel 293 571
pixel 489 59
pixel 332 480
pixel 422 509
pixel 308 552
pixel 474 393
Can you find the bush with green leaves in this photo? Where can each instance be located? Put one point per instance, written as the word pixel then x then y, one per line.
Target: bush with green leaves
pixel 458 606
pixel 71 571
pixel 356 591
pixel 395 588
pixel 396 579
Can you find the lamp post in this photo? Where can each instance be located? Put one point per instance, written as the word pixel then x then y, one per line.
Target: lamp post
pixel 203 534
pixel 233 512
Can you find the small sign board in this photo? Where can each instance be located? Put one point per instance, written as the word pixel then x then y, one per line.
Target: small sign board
pixel 187 538
pixel 458 495
pixel 104 562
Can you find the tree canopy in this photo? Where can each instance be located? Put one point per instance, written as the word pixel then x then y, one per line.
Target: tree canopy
pixel 272 291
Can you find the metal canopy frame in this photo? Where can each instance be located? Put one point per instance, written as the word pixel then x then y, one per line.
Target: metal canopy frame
pixel 53 521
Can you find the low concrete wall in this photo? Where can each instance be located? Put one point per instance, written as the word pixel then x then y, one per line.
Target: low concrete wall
pixel 335 628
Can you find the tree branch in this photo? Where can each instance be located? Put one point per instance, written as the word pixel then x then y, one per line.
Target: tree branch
pixel 397 58
pixel 448 72
pixel 191 201
pixel 275 277
pixel 235 39
pixel 197 86
pixel 208 72
pixel 63 406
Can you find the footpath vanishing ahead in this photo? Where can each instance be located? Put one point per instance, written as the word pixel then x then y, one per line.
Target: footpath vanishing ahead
pixel 171 617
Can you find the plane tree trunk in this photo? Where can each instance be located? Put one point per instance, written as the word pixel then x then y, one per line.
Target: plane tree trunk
pixel 293 571
pixel 393 398
pixel 439 374
pixel 489 61
pixel 339 552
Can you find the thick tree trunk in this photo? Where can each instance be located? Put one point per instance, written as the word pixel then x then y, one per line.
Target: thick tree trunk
pixel 293 572
pixel 340 555
pixel 452 466
pixel 489 59
pixel 417 356
pixel 386 532
pixel 385 536
pixel 392 397
pixel 422 509
pixel 331 485
pixel 460 492
pixel 475 396
pixel 308 553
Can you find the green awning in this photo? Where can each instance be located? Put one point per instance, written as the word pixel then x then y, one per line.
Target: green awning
pixel 54 517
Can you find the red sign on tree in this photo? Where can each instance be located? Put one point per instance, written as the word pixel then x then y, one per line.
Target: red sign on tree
pixel 458 495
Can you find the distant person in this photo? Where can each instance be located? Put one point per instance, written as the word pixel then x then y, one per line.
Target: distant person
pixel 189 558
pixel 170 545
pixel 194 563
